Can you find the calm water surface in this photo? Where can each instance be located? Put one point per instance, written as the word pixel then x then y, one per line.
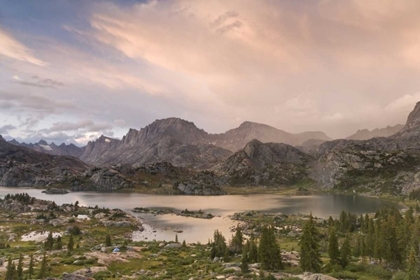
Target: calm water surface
pixel 163 227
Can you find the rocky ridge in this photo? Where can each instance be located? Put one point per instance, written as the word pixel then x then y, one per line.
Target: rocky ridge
pixel 365 134
pixel 183 144
pixel 52 149
pixel 265 164
pixel 20 166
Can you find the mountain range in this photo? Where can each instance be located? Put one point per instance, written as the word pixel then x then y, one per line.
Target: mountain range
pixel 365 134
pixel 174 152
pixel 183 144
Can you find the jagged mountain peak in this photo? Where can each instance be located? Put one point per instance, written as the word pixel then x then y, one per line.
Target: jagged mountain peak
pixel 43 142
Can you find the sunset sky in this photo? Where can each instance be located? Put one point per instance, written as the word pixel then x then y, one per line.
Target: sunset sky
pixel 78 69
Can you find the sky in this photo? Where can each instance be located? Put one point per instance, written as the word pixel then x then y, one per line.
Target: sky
pixel 72 70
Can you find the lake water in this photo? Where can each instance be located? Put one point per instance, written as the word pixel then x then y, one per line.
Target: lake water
pixel 163 227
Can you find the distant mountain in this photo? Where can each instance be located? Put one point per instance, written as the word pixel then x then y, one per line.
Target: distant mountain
pixel 236 139
pixel 265 164
pixel 21 166
pixel 181 143
pixel 378 165
pixel 172 140
pixel 366 134
pixel 52 149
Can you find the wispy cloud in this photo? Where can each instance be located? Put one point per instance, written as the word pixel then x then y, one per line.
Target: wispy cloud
pixel 13 49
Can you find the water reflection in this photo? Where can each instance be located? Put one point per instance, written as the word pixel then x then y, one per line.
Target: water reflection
pixel 199 229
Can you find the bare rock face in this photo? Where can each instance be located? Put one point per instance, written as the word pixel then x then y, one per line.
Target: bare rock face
pixel 159 142
pixel 265 164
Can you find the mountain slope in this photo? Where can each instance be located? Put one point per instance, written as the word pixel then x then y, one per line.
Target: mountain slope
pixel 236 139
pixel 172 140
pixel 20 166
pixel 378 165
pixel 265 164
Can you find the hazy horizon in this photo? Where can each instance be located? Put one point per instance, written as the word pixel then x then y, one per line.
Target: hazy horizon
pixel 80 69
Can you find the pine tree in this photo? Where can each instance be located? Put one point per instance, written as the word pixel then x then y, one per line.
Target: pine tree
pixel 359 248
pixel 310 257
pixel 333 251
pixel 49 243
pixel 245 258
pixel 31 267
pixel 19 269
pixel 220 247
pixel 108 242
pixel 70 245
pixel 10 270
pixel 43 270
pixel 59 243
pixel 253 250
pixel 237 241
pixel 345 252
pixel 370 238
pixel 269 250
pixel 413 264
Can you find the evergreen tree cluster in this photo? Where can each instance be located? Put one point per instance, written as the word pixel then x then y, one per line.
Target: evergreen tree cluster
pixel 53 244
pixel 388 237
pixel 23 198
pixel 14 272
pixel 267 252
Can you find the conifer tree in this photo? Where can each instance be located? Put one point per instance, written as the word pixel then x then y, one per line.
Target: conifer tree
pixel 345 252
pixel 413 264
pixel 31 267
pixel 245 258
pixel 10 270
pixel 70 245
pixel 108 242
pixel 237 241
pixel 310 257
pixel 269 250
pixel 220 247
pixel 59 243
pixel 253 250
pixel 43 269
pixel 19 270
pixel 333 250
pixel 370 238
pixel 49 242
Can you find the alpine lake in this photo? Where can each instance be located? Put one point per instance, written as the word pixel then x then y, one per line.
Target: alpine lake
pixel 165 226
